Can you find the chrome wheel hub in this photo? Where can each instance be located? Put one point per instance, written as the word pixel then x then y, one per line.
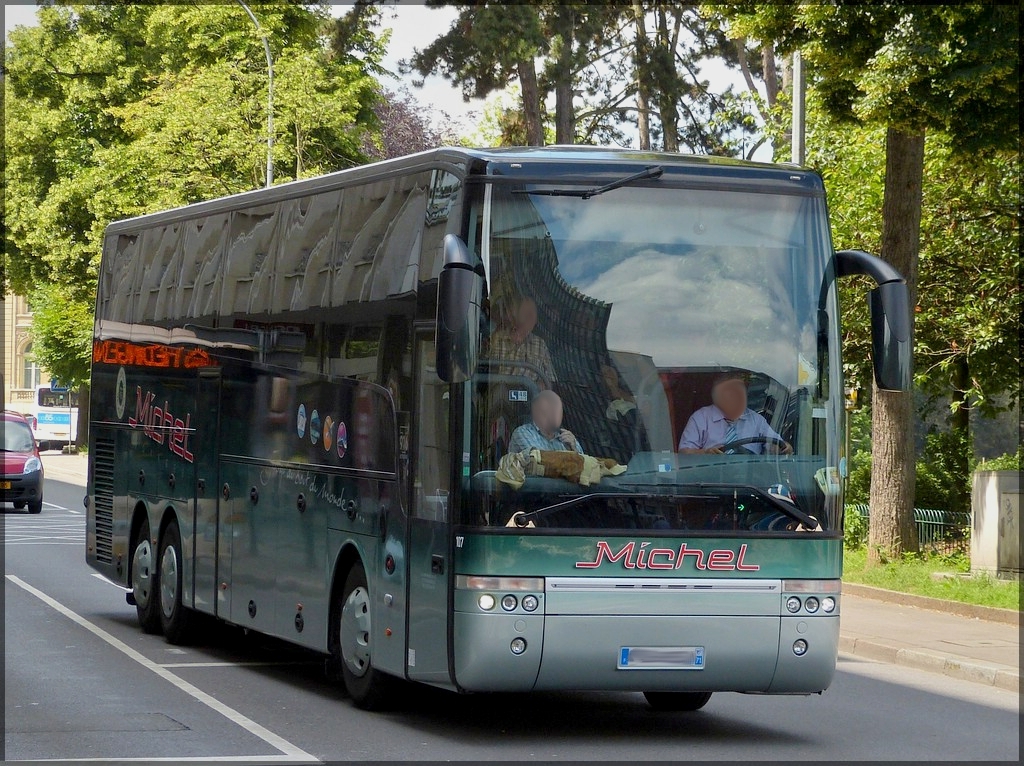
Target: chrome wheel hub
pixel 142 573
pixel 168 580
pixel 355 632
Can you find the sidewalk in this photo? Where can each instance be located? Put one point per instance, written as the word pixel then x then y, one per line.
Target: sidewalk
pixel 70 468
pixel 972 649
pixel 957 640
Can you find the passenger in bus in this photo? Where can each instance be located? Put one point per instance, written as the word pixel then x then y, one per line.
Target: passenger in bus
pixel 545 431
pixel 726 420
pixel 514 341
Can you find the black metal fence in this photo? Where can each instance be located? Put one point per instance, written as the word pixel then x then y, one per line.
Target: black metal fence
pixel 937 531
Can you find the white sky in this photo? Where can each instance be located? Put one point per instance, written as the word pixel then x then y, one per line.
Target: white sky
pixel 414 25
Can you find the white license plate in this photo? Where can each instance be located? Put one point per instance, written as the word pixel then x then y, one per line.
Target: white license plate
pixel 661 658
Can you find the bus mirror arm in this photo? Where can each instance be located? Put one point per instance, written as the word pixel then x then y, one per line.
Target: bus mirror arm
pixel 889 304
pixel 460 288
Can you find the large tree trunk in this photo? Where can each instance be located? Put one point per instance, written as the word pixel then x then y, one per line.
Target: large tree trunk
pixel 531 102
pixel 640 67
pixel 665 77
pixel 892 530
pixel 565 114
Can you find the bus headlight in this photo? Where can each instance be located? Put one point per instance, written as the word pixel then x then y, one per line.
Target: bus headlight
pixel 828 605
pixel 486 602
pixel 811 604
pixel 530 603
pixel 509 602
pixel 518 646
pixel 793 604
pixel 799 647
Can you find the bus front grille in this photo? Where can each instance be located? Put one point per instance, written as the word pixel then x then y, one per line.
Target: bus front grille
pixel 103 496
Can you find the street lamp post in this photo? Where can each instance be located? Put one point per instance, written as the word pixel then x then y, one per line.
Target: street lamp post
pixel 270 94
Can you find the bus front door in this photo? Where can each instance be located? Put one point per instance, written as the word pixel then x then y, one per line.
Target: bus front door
pixel 429 525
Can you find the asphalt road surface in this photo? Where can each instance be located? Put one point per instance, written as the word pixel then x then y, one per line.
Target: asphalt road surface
pixel 83 682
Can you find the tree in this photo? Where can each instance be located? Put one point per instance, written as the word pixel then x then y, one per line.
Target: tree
pixel 61 334
pixel 911 69
pixel 487 47
pixel 113 111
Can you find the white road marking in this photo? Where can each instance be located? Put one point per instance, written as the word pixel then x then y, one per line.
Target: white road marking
pixel 178 759
pixel 98 576
pixel 275 741
pixel 234 664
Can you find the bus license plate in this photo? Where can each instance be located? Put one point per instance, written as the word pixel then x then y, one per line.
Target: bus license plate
pixel 661 658
pixel 5 485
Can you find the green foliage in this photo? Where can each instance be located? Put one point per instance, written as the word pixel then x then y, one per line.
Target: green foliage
pixel 1007 462
pixel 855 530
pixel 117 110
pixel 914 574
pixel 62 334
pixel 917 68
pixel 942 476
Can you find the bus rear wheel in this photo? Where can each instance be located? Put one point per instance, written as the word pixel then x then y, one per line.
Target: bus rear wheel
pixel 352 644
pixel 174 615
pixel 144 580
pixel 677 701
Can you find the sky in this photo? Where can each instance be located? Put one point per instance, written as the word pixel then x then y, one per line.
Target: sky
pixel 414 25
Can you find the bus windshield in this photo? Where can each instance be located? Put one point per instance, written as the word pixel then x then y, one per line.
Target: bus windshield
pixel 689 338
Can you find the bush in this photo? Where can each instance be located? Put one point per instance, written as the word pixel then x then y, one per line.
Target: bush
pixel 942 476
pixel 855 530
pixel 1008 462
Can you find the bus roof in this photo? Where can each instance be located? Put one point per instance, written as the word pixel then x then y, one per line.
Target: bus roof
pixel 559 161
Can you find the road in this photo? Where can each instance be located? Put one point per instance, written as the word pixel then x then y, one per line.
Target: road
pixel 83 682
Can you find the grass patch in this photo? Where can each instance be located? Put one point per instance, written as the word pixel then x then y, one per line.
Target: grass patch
pixel 913 574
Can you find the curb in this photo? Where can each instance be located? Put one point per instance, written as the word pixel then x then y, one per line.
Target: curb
pixel 934 662
pixel 990 613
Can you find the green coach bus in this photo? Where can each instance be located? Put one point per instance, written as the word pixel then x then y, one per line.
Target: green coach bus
pixel 301 418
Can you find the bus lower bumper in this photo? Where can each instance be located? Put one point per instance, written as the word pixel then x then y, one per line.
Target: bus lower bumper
pixel 586 652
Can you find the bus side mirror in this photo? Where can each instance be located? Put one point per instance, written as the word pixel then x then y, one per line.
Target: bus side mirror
pixel 890 336
pixel 889 304
pixel 460 289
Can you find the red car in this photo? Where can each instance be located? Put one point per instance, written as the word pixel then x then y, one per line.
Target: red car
pixel 22 480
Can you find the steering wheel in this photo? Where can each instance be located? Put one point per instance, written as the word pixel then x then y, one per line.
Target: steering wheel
pixel 737 445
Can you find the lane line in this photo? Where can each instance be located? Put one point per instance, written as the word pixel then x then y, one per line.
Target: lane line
pixel 101 578
pixel 175 759
pixel 236 664
pixel 275 741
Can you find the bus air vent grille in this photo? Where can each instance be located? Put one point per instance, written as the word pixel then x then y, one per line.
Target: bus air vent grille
pixel 103 496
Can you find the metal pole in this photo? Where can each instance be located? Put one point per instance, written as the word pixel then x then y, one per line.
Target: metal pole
pixel 799 85
pixel 270 94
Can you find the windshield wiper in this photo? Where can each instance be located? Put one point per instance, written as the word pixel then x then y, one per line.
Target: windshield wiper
pixel 654 171
pixel 522 519
pixel 789 509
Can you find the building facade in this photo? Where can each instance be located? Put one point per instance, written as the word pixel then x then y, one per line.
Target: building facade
pixel 21 373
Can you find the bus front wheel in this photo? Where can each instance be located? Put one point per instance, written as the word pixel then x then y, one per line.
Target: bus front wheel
pixel 174 615
pixel 677 701
pixel 353 644
pixel 144 580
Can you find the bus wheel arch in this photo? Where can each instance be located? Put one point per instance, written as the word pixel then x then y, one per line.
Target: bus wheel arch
pixel 350 636
pixel 348 557
pixel 143 574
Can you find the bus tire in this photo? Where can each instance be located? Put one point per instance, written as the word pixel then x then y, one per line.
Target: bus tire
pixel 144 580
pixel 35 506
pixel 175 617
pixel 352 644
pixel 677 701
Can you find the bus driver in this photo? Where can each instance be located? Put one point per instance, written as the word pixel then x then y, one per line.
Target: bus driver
pixel 726 420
